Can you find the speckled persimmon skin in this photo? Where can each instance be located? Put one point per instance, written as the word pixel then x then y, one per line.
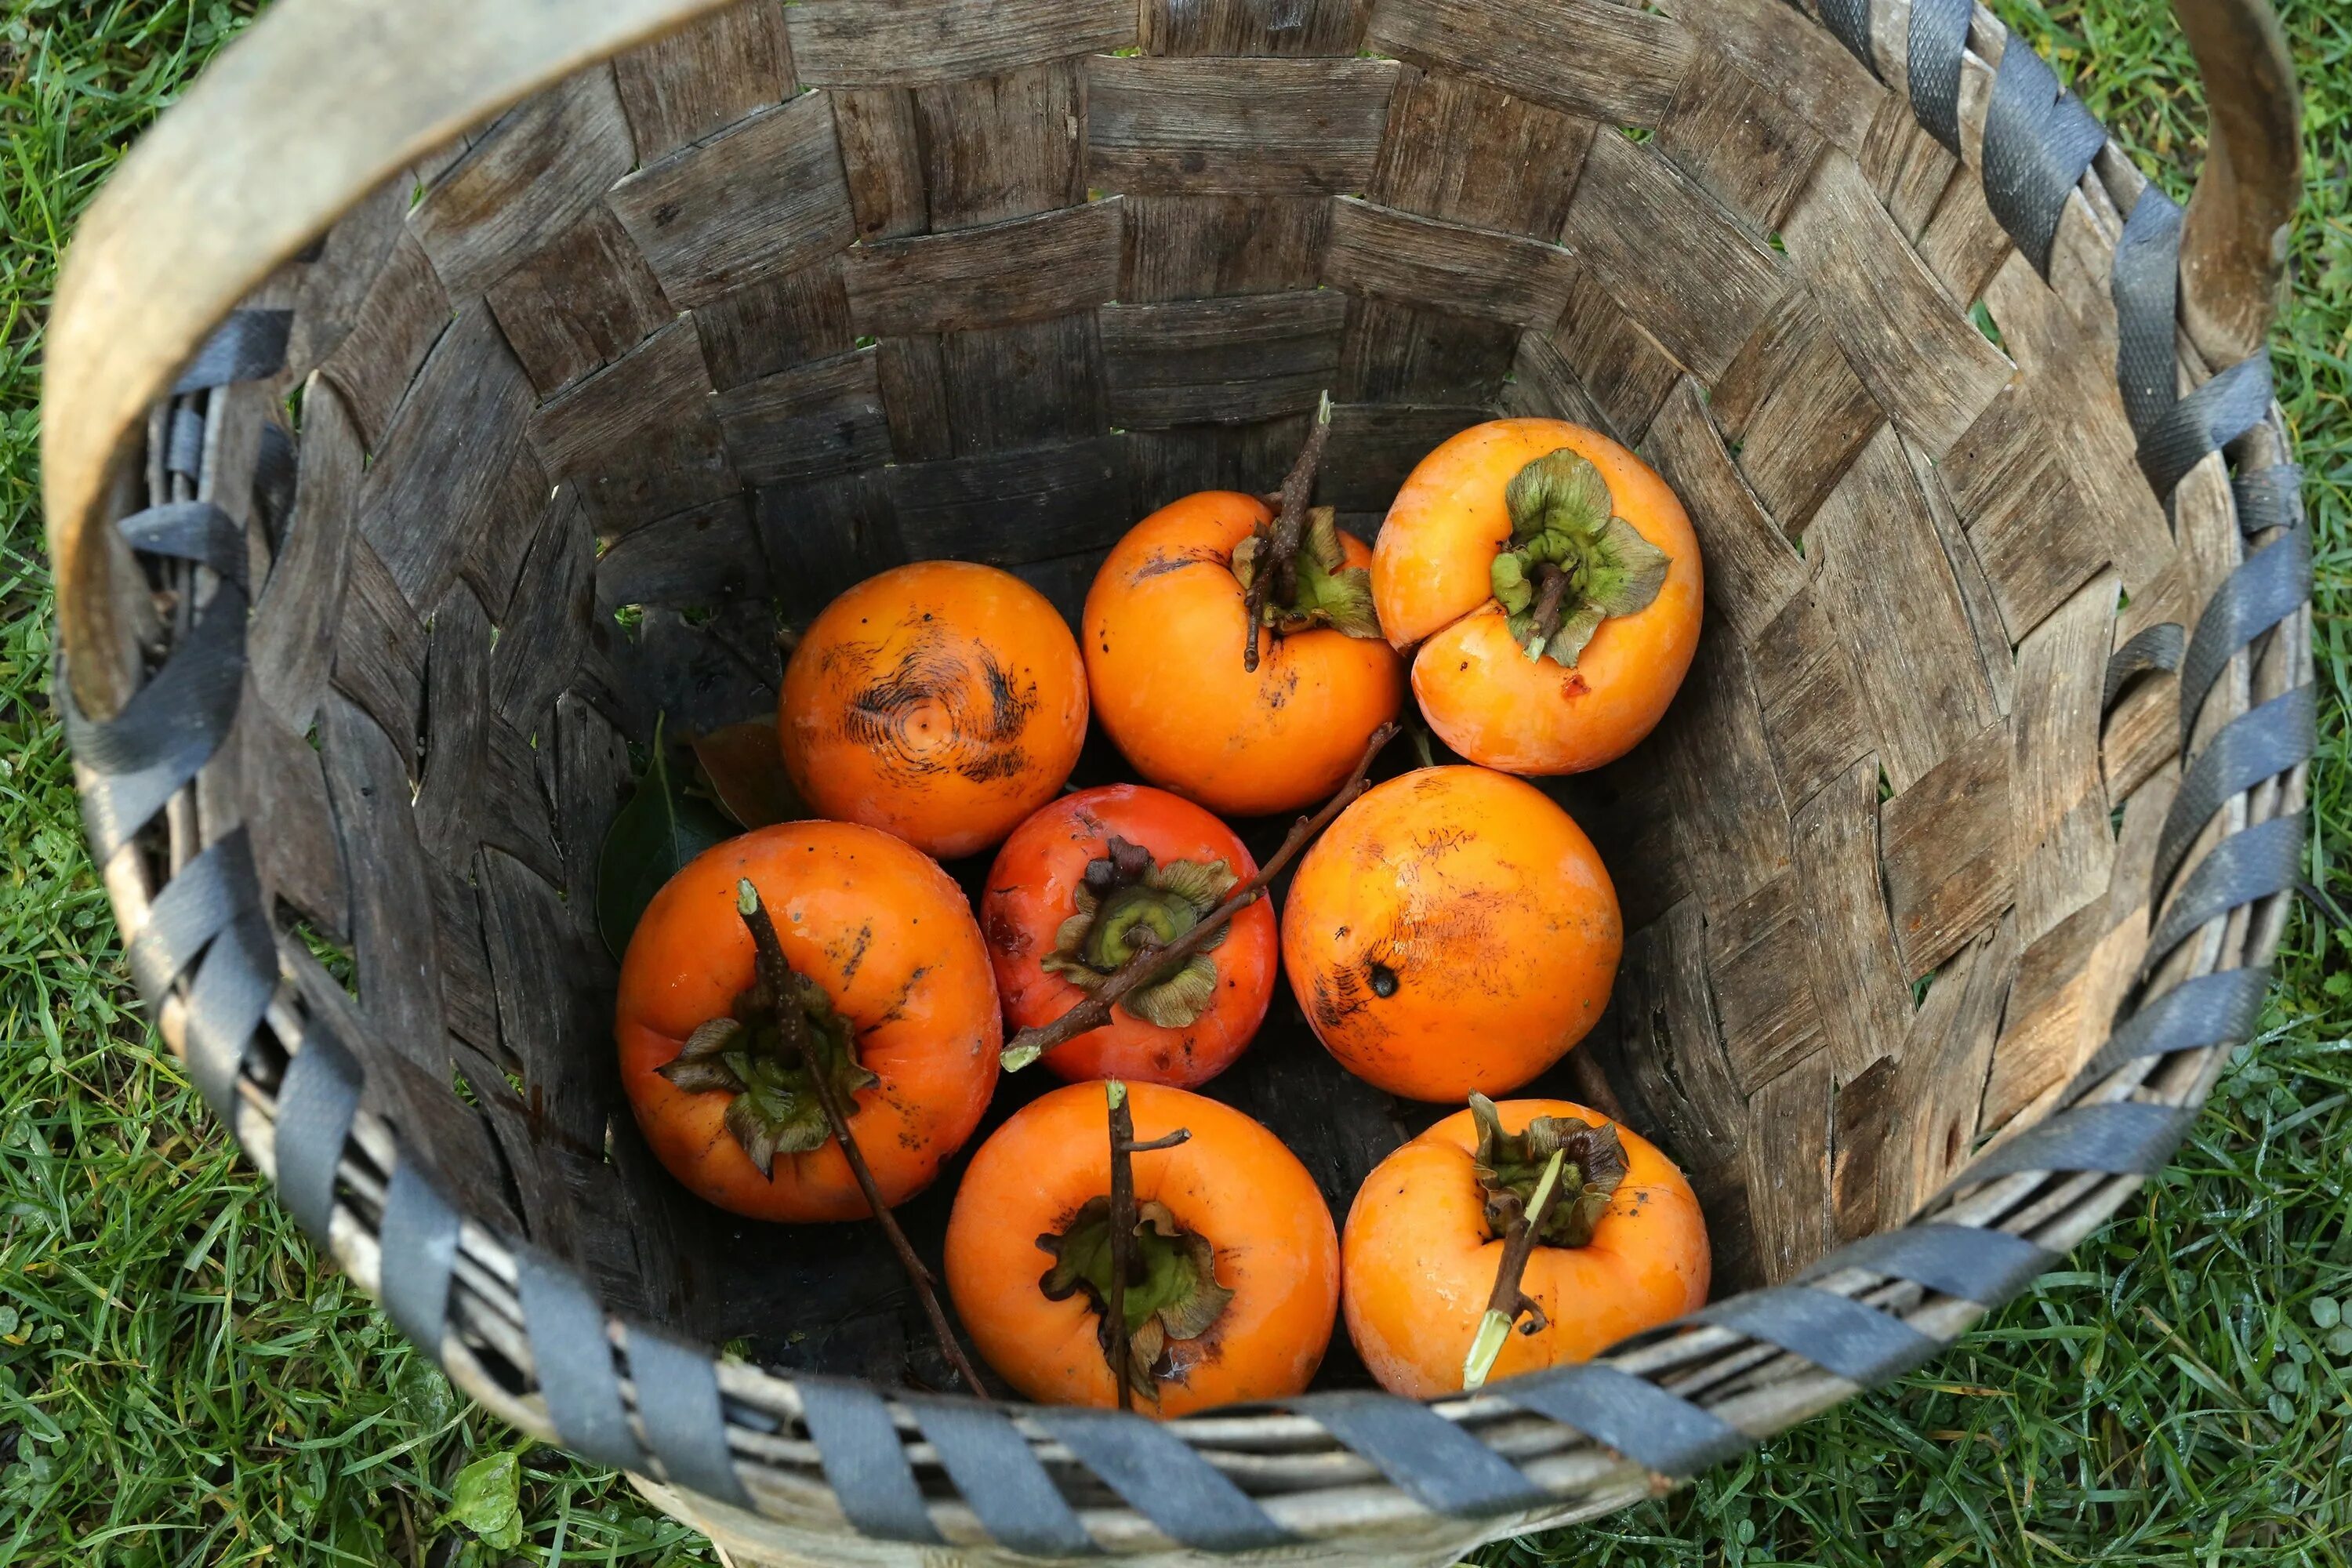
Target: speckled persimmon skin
pixel 1419 1264
pixel 1480 692
pixel 1232 1182
pixel 1031 891
pixel 1489 907
pixel 941 701
pixel 1163 630
pixel 887 934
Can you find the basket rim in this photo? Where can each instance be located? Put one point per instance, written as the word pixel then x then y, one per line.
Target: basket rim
pixel 524 1336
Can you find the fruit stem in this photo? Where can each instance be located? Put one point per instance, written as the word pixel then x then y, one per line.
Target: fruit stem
pixel 775 973
pixel 1277 568
pixel 1119 1345
pixel 1507 1301
pixel 1154 961
pixel 1551 598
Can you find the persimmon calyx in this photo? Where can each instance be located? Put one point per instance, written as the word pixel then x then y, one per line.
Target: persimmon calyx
pixel 1171 1288
pixel 1128 904
pixel 1572 562
pixel 748 1054
pixel 1511 1164
pixel 1327 591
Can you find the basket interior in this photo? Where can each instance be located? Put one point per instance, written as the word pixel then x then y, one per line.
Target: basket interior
pixel 625 382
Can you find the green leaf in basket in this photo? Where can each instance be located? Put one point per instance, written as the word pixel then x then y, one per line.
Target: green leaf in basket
pixel 488 1499
pixel 655 834
pixel 743 766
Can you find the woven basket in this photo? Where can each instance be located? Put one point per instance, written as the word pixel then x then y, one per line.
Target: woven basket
pixel 1949 878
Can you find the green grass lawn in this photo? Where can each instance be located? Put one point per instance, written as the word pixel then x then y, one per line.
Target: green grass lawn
pixel 179 1385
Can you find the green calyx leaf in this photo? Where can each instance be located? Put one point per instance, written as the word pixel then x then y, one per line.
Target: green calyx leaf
pixel 1573 563
pixel 1330 592
pixel 1511 1164
pixel 760 1055
pixel 1127 904
pixel 652 838
pixel 1171 1289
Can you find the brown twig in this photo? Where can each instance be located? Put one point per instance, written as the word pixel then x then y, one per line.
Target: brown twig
pixel 1593 1086
pixel 1118 1348
pixel 1150 963
pixel 1551 593
pixel 775 972
pixel 1278 563
pixel 1507 1301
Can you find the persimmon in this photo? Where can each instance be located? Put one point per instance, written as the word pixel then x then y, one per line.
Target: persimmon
pixel 1082 886
pixel 941 701
pixel 893 996
pixel 1621 1247
pixel 1246 719
pixel 1453 931
pixel 1551 583
pixel 1234 1277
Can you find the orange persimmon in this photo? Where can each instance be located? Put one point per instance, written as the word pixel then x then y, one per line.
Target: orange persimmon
pixel 896 993
pixel 1453 931
pixel 1070 893
pixel 941 701
pixel 1236 1277
pixel 1164 628
pixel 1622 1246
pixel 1552 585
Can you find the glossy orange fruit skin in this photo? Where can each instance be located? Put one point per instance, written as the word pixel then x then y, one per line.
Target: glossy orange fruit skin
pixel 941 701
pixel 1481 694
pixel 1030 893
pixel 1487 906
pixel 887 934
pixel 1419 1264
pixel 1232 1182
pixel 1163 631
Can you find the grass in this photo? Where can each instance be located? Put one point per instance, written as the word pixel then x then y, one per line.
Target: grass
pixel 178 1385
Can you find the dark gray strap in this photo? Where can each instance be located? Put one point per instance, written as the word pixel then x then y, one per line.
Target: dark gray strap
pixel 1939 37
pixel 1849 21
pixel 2145 287
pixel 2216 414
pixel 573 1358
pixel 998 1474
pixel 1987 1267
pixel 2038 141
pixel 420 1252
pixel 315 1107
pixel 686 1428
pixel 2155 649
pixel 166 734
pixel 210 891
pixel 863 1460
pixel 226 1003
pixel 1656 1430
pixel 189 531
pixel 2269 498
pixel 2249 865
pixel 2259 743
pixel 1160 1476
pixel 2217 1009
pixel 2124 1138
pixel 247 346
pixel 2265 589
pixel 1859 1343
pixel 1431 1459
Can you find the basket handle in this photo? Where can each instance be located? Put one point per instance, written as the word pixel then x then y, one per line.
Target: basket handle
pixel 314 106
pixel 2234 246
pixel 322 99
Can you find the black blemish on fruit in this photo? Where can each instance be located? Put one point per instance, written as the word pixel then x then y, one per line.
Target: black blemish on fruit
pixel 1384 981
